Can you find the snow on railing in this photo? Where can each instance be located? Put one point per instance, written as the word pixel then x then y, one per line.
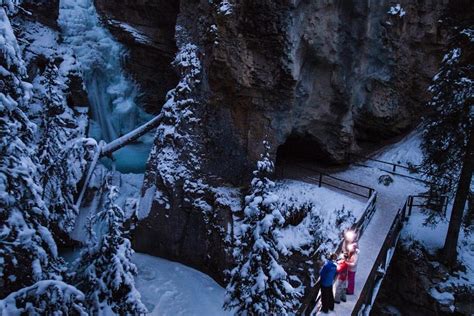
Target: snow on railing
pixel 332 181
pixel 371 287
pixel 435 203
pixel 409 169
pixel 366 217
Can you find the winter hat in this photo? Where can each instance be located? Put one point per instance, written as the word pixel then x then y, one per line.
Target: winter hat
pixel 352 247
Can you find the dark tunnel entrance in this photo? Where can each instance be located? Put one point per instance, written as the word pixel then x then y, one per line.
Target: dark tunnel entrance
pixel 301 149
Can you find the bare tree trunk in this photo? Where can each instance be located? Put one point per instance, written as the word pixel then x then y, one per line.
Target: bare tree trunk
pixel 131 136
pixel 108 149
pixel 449 253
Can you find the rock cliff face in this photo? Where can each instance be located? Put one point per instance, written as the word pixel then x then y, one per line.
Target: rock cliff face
pixel 45 11
pixel 324 77
pixel 333 74
pixel 146 28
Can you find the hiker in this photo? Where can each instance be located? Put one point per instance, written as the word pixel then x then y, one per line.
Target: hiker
pixel 326 275
pixel 341 279
pixel 350 237
pixel 352 264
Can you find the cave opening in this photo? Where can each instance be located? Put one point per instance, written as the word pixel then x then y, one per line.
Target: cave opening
pixel 302 148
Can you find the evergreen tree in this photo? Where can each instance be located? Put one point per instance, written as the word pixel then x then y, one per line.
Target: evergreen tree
pixel 259 284
pixel 448 136
pixel 105 271
pixel 27 250
pixel 61 153
pixel 55 127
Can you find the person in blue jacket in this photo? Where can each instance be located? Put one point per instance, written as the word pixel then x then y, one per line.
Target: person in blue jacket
pixel 326 275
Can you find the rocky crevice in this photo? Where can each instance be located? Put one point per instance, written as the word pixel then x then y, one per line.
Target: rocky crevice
pixel 146 28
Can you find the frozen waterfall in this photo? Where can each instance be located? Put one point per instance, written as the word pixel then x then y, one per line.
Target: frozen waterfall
pixel 111 93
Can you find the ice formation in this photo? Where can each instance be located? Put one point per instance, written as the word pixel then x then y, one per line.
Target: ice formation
pixel 112 95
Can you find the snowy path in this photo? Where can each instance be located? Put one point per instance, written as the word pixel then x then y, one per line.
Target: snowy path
pixel 389 200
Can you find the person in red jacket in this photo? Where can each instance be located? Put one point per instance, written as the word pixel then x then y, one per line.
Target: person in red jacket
pixel 341 280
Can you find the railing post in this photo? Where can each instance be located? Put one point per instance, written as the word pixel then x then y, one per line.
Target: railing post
pixel 320 179
pixel 394 168
pixel 445 204
pixel 410 204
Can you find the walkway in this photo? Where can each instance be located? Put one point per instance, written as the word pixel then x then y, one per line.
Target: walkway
pixel 389 200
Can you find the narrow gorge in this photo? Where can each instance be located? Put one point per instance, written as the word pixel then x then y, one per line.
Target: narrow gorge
pixel 278 127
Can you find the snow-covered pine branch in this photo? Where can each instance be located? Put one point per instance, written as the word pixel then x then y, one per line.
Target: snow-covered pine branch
pixel 105 271
pixel 259 284
pixel 62 153
pixel 450 121
pixel 49 297
pixel 25 240
pixel 448 136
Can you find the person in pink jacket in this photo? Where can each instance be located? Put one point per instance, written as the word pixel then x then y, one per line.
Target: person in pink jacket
pixel 351 261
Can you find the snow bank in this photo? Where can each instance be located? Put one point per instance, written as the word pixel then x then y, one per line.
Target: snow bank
pixel 324 206
pixel 170 288
pixel 405 152
pixel 432 238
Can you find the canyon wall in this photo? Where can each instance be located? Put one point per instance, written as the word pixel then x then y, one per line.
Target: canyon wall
pixel 146 28
pixel 333 74
pixel 328 77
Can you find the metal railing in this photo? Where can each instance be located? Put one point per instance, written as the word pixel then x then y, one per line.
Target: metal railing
pixel 320 178
pixel 312 298
pixel 371 287
pixel 394 166
pixel 436 203
pixel 356 159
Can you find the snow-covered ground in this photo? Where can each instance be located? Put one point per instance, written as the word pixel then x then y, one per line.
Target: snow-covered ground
pixel 170 288
pixel 324 205
pixel 324 199
pixel 432 238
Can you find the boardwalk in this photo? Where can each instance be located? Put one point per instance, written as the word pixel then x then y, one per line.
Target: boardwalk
pixel 389 200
